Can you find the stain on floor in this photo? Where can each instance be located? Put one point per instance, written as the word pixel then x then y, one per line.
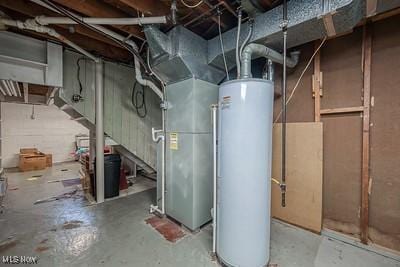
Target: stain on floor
pixel 40 249
pixel 72 224
pixel 168 229
pixel 7 244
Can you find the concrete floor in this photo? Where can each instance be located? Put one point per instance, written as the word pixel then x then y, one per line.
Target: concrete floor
pixel 71 232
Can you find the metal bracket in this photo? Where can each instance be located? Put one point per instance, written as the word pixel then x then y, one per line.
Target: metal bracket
pixel 164 105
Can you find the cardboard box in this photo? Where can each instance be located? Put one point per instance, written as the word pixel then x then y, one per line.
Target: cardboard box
pixel 49 160
pixel 28 151
pixel 32 162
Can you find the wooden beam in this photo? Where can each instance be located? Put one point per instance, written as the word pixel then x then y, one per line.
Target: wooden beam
pixel 386 15
pixel 367 50
pixel 94 8
pixel 342 110
pixel 148 7
pixel 317 83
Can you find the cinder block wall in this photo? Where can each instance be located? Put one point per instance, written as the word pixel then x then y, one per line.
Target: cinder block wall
pixel 51 131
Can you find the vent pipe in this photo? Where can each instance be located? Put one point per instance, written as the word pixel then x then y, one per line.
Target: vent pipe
pixel 253 51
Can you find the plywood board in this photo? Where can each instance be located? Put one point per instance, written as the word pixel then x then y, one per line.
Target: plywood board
pixel 304 175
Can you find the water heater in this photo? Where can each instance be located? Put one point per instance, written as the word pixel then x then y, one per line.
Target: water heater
pixel 244 172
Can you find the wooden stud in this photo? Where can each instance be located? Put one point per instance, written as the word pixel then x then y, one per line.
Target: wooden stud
pixel 316 83
pixel 367 49
pixel 342 110
pixel 371 8
pixel 329 26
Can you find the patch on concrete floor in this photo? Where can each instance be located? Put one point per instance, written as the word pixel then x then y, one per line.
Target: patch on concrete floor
pixel 71 182
pixel 7 244
pixel 72 224
pixel 168 229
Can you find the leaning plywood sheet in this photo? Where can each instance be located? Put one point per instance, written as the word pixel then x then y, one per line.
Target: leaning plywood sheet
pixel 303 175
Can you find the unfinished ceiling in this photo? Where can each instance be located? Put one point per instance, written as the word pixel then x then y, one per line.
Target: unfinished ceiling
pixel 201 19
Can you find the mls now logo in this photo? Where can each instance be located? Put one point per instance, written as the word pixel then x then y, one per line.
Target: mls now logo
pixel 19 260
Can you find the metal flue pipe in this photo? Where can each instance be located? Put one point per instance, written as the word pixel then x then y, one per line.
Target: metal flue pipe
pixel 253 51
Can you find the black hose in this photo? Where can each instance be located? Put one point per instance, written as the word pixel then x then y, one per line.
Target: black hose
pixel 78 76
pixel 139 100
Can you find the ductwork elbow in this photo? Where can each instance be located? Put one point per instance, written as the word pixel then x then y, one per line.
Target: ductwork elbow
pixel 253 51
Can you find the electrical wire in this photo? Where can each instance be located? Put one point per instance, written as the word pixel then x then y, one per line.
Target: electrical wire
pixel 246 41
pixel 301 76
pixel 78 75
pixel 139 105
pixel 222 46
pixel 192 6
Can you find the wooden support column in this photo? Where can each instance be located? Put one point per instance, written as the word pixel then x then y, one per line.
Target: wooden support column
pixel 317 84
pixel 367 47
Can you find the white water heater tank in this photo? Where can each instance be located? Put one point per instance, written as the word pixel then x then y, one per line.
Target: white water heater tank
pixel 244 172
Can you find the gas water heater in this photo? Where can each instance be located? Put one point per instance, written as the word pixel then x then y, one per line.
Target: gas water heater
pixel 244 172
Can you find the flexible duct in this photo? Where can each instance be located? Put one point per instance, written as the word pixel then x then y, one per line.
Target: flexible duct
pixel 252 51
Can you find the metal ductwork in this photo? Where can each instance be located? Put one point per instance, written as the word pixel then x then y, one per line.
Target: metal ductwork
pixel 308 20
pixel 181 54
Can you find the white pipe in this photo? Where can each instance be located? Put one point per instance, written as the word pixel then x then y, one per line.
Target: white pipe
pixel 43 20
pixel 141 81
pixel 121 38
pixel 18 89
pixel 214 126
pixel 33 26
pixel 99 133
pixel 5 86
pixel 11 86
pixel 138 71
pixel 160 137
pixel 3 89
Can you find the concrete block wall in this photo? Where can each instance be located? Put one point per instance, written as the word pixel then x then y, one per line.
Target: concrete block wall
pixel 51 131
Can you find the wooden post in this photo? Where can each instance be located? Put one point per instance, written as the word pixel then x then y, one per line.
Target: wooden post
pixel 316 84
pixel 367 47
